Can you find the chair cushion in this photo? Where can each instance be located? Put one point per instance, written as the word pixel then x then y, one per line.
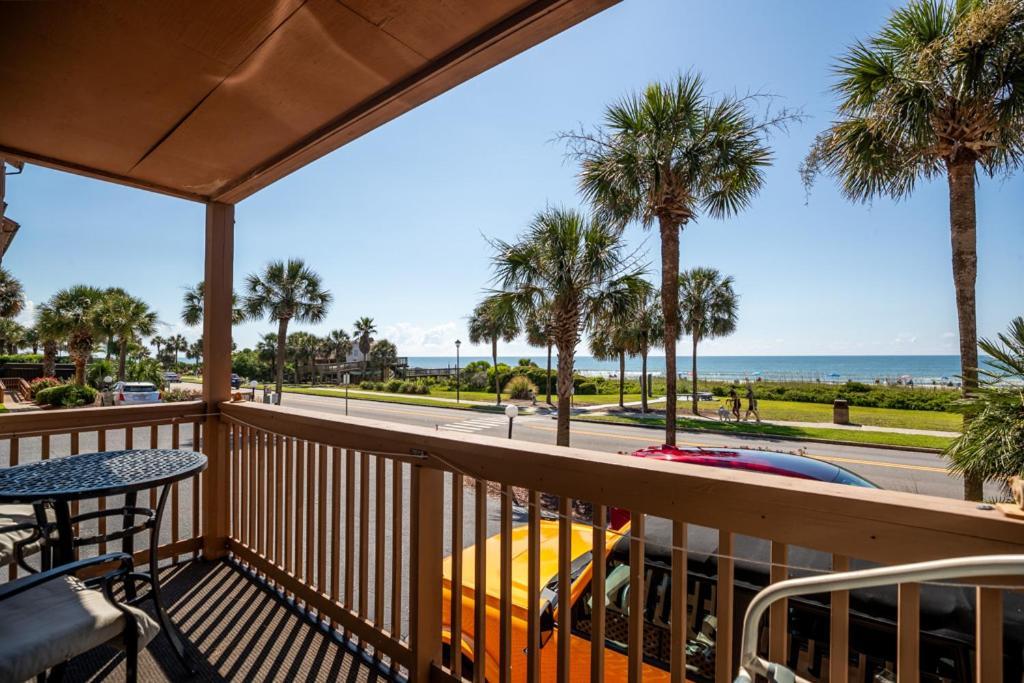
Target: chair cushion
pixel 57 620
pixel 9 516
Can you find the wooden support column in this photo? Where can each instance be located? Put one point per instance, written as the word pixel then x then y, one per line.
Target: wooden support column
pixel 426 555
pixel 220 230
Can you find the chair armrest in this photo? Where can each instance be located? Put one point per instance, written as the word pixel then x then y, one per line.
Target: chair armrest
pixel 13 588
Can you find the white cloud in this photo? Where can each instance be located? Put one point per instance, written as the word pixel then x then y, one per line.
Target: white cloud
pixel 27 317
pixel 417 340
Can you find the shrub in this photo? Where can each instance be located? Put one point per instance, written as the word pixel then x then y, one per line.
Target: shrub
pixel 21 358
pixel 520 387
pixel 366 385
pixel 41 383
pixel 587 388
pixel 378 386
pixel 475 381
pixel 393 385
pixel 67 396
pixel 176 395
pixel 146 370
pixel 97 370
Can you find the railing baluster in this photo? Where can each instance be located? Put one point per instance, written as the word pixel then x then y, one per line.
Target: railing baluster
pixel 335 528
pixel 597 613
pixel 44 447
pixel 321 522
pixel 505 578
pixel 364 533
pixel 308 576
pixel 261 493
pixel 564 569
pixel 533 589
pixel 289 505
pixel 397 491
pixel 637 595
pixel 988 660
pixel 175 488
pixel 300 517
pixel 280 536
pixel 270 497
pixel 480 584
pixel 677 608
pixel 129 438
pixel 724 590
pixel 101 502
pixel 379 508
pixel 456 590
pixel 839 638
pixel 350 541
pixel 249 485
pixel 778 617
pixel 908 628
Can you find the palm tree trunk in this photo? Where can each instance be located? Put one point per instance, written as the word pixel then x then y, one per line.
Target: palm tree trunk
pixel 622 379
pixel 49 359
pixel 670 312
pixel 696 406
pixel 282 336
pixel 494 357
pixel 122 358
pixel 549 374
pixel 566 360
pixel 963 228
pixel 643 380
pixel 79 360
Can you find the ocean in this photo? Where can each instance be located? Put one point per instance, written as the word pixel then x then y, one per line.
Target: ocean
pixel 922 369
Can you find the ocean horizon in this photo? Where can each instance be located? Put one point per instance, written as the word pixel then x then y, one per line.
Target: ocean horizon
pixel 938 369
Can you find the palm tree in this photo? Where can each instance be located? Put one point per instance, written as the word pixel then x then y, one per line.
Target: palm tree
pixel 575 265
pixel 303 346
pixel 647 330
pixel 193 305
pixel 70 313
pixel 340 345
pixel 267 349
pixel 195 351
pixel 384 355
pixel 12 296
pixel 668 155
pixel 708 306
pixel 159 343
pixel 12 335
pixel 50 333
pixel 125 319
pixel 176 344
pixel 936 93
pixel 363 329
pixel 610 339
pixel 539 329
pixel 31 339
pixel 991 447
pixel 286 291
pixel 493 321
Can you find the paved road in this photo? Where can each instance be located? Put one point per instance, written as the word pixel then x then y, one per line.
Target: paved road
pixel 890 468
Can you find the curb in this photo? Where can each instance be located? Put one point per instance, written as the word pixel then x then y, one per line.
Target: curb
pixel 771 437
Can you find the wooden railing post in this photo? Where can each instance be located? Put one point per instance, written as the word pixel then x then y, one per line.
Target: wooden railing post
pixel 426 553
pixel 220 226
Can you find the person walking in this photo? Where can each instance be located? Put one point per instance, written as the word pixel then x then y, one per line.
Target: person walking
pixel 734 402
pixel 751 404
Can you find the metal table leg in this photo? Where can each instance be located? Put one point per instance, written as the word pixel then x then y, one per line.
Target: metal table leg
pixel 166 624
pixel 128 541
pixel 65 532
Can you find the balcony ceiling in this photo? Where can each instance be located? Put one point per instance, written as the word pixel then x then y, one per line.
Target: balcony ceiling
pixel 216 100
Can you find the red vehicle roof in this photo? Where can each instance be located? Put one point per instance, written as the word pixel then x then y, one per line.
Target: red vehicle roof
pixel 766 462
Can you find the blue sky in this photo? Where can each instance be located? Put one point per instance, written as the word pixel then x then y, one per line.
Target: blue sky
pixel 396 220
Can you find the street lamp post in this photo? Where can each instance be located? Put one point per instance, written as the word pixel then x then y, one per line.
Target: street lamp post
pixel 511 412
pixel 458 381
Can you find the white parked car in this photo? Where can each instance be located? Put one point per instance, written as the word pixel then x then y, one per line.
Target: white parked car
pixel 171 376
pixel 135 393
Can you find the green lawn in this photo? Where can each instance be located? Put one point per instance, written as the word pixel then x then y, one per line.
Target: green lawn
pixel 875 417
pixel 410 399
pixel 846 435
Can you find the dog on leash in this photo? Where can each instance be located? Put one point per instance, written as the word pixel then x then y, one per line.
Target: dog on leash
pixel 723 414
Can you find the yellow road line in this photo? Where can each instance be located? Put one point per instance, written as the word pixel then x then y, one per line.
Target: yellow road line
pixel 817 456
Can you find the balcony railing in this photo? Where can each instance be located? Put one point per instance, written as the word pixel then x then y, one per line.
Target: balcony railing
pixel 353 519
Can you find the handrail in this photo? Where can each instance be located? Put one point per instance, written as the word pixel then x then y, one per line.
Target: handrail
pixel 37 422
pixel 20 387
pixel 752 665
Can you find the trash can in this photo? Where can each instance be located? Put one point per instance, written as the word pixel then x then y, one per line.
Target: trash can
pixel 841 411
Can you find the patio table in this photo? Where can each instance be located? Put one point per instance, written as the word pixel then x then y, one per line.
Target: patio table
pixel 59 481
